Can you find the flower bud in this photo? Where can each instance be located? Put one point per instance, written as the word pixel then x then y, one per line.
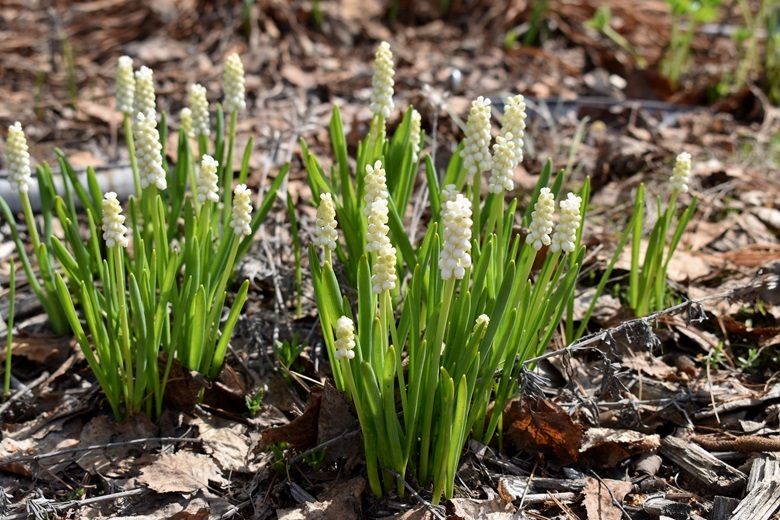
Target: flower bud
pixel 682 172
pixel 185 122
pixel 148 152
pixel 325 233
pixel 541 220
pixel 113 222
pixel 145 102
pixel 124 90
pixel 504 162
pixel 19 171
pixel 234 85
pixel 514 123
pixel 345 338
pixel 382 81
pixel 456 223
pixel 208 188
pixel 200 110
pixel 241 217
pixel 568 225
pixel 476 144
pixel 414 135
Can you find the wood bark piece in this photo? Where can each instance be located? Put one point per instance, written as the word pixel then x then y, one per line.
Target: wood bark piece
pixel 722 507
pixel 761 503
pixel 660 507
pixel 765 467
pixel 703 466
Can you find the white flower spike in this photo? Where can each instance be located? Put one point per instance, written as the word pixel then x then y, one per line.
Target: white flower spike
pixel 241 217
pixel 208 188
pixel 566 229
pixel 124 90
pixel 325 233
pixel 514 124
pixel 185 122
pixel 382 81
pixel 414 135
pixel 113 222
pixel 476 144
pixel 456 221
pixel 19 171
pixel 541 220
pixel 235 95
pixel 504 163
pixel 377 230
pixel 145 102
pixel 682 172
pixel 375 185
pixel 148 152
pixel 199 105
pixel 384 276
pixel 345 338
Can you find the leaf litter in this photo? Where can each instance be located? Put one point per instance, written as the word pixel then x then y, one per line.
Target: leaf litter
pixel 607 409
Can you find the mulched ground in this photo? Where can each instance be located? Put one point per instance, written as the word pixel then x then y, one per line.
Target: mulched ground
pixel 672 416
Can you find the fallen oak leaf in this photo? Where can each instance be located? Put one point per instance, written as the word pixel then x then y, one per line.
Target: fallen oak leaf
pixel 181 472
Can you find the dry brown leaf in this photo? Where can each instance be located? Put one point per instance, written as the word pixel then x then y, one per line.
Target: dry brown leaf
pixel 227 443
pixel 606 448
pixel 543 427
pixel 491 509
pixel 181 472
pixel 598 500
pixel 111 461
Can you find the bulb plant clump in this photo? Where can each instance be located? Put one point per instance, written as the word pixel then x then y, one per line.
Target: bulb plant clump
pixel 149 285
pixel 441 327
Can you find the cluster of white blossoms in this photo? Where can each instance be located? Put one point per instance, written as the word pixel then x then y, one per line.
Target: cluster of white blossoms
pixel 382 81
pixel 241 217
pixel 208 188
pixel 456 221
pixel 375 185
pixel 185 122
pixel 113 222
pixel 19 171
pixel 476 144
pixel 541 220
pixel 682 172
pixel 145 102
pixel 514 124
pixel 125 86
pixel 376 233
pixel 148 152
pixel 384 275
pixel 325 233
pixel 345 338
pixel 566 230
pixel 504 163
pixel 414 135
pixel 199 105
pixel 234 84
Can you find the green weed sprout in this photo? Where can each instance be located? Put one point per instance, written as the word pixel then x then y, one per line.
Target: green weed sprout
pixel 601 22
pixel 647 280
pixel 9 331
pixel 693 13
pixel 20 179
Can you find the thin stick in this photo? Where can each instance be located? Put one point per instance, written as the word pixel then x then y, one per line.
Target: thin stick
pixel 430 507
pixel 69 451
pixel 70 504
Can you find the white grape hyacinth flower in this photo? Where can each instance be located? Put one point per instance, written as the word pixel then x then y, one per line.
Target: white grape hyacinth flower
pixel 384 276
pixel 199 104
pixel 325 233
pixel 456 223
pixel 375 185
pixel 18 155
pixel 482 319
pixel 377 229
pixel 541 220
pixel 345 338
pixel 504 163
pixel 145 101
pixel 241 217
pixel 569 223
pixel 414 135
pixel 382 81
pixel 148 152
pixel 476 144
pixel 682 172
pixel 514 123
pixel 185 122
pixel 114 230
pixel 208 181
pixel 124 89
pixel 234 85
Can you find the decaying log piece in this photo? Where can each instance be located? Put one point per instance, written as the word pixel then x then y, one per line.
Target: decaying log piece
pixel 660 506
pixel 765 467
pixel 703 466
pixel 722 507
pixel 761 503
